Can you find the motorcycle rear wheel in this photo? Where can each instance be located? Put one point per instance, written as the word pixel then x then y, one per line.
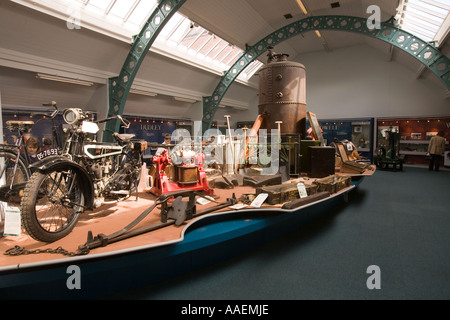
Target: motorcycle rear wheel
pixel 52 204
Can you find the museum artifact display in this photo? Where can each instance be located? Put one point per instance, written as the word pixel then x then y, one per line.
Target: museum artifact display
pixel 83 175
pixel 387 154
pixel 197 199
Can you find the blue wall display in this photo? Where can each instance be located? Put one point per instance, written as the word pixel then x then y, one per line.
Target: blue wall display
pixel 153 130
pixel 41 129
pixel 358 131
pixel 150 130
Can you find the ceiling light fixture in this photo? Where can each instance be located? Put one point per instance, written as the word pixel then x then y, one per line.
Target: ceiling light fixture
pixel 302 7
pixel 185 99
pixel 318 33
pixel 63 79
pixel 144 93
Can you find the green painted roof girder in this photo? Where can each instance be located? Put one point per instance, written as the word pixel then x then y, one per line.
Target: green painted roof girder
pixel 425 52
pixel 120 86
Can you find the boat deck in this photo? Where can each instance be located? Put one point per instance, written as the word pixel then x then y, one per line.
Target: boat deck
pixel 112 217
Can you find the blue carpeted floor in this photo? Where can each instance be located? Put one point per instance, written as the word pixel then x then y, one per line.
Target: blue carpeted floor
pixel 398 221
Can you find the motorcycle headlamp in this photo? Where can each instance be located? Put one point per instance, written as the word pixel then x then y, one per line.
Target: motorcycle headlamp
pixel 72 115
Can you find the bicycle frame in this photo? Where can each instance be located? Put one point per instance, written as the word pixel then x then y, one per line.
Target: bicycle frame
pixel 19 152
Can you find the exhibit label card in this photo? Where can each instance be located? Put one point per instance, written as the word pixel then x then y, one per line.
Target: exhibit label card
pixel 204 200
pixel 259 200
pixel 3 206
pixel 238 206
pixel 12 222
pixel 302 190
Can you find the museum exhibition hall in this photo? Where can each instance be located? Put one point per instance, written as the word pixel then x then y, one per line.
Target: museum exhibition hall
pixel 207 151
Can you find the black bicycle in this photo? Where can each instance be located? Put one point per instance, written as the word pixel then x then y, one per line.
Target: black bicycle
pixel 14 159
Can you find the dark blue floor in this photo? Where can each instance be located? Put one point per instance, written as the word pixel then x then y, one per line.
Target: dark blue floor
pixel 398 221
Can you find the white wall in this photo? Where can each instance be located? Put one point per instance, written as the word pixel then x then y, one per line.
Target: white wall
pixel 360 82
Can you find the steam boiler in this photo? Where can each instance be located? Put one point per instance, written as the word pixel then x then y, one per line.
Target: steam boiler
pixel 282 95
pixel 282 106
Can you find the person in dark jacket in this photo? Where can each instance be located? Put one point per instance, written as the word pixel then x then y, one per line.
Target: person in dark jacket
pixel 436 150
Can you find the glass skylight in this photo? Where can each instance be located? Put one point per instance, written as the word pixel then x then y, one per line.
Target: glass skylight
pixel 428 19
pixel 179 32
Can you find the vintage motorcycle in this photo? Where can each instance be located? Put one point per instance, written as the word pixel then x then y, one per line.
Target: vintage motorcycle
pixel 84 175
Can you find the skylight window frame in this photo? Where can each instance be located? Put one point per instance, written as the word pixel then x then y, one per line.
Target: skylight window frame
pixel 211 37
pixel 219 40
pixel 194 28
pixel 186 32
pixel 231 58
pixel 415 16
pixel 141 23
pixel 127 14
pixel 125 28
pixel 419 32
pixel 175 27
pixel 216 54
pixel 436 21
pixel 421 24
pixel 420 8
pixel 208 37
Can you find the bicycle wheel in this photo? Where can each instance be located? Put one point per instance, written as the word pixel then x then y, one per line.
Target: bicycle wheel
pixel 52 204
pixel 12 178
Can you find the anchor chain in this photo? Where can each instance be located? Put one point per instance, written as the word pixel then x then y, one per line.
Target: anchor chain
pixel 18 251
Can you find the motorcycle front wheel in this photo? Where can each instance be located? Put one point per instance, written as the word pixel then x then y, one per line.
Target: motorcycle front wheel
pixel 52 204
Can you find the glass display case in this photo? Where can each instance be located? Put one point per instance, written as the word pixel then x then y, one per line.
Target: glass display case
pixel 362 132
pixel 358 131
pixel 383 137
pixel 414 135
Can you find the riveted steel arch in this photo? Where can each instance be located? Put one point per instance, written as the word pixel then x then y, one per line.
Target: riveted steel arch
pixel 423 51
pixel 120 86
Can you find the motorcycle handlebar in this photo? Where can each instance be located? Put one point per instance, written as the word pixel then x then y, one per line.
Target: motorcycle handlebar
pixel 50 115
pixel 125 122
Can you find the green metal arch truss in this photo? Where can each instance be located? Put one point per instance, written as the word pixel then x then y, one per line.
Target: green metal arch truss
pixel 423 51
pixel 120 86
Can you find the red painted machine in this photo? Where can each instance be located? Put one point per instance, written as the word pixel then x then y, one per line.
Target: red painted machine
pixel 189 175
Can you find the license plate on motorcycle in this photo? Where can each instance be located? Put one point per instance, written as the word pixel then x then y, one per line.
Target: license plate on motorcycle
pixel 46 153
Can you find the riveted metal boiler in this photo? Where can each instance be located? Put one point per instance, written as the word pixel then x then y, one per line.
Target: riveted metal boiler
pixel 282 95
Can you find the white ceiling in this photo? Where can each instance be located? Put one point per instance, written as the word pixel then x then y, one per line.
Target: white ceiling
pixel 248 21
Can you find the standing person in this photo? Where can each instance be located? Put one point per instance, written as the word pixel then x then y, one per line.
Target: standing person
pixel 436 149
pixel 33 146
